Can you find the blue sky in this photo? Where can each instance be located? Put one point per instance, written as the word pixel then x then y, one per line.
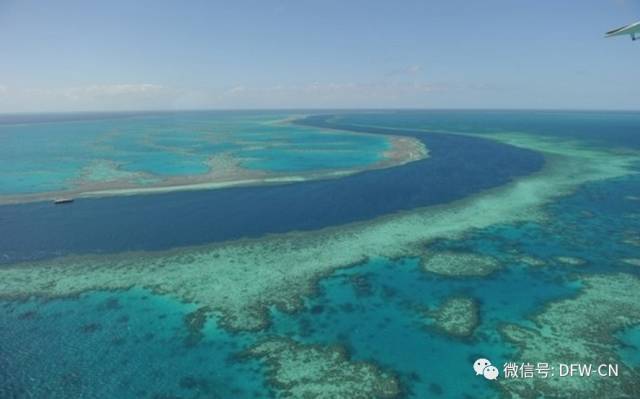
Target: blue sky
pixel 116 55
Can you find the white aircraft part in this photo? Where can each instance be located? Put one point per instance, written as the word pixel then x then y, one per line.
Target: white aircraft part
pixel 632 29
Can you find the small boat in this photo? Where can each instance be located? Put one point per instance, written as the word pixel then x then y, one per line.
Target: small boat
pixel 59 201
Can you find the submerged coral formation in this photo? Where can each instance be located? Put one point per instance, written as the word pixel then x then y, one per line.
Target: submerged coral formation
pixel 531 261
pixel 227 171
pixel 219 154
pixel 307 371
pixel 631 236
pixel 459 264
pixel 570 260
pixel 458 316
pixel 580 330
pixel 195 322
pixel 632 261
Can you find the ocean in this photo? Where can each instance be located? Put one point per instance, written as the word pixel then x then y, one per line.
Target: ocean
pixel 535 284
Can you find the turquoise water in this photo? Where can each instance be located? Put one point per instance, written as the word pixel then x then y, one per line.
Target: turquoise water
pixel 39 156
pixel 129 344
pixel 630 350
pixel 383 322
pixel 137 344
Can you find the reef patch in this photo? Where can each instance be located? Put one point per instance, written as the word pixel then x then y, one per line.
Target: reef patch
pixel 307 371
pixel 457 316
pixel 580 330
pixel 459 264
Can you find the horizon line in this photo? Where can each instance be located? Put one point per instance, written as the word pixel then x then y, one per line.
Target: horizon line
pixel 320 109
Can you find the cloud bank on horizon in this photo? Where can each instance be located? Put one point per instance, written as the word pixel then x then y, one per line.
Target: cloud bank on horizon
pixel 84 56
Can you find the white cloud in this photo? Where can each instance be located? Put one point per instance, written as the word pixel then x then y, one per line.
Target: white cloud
pixel 407 71
pixel 113 90
pixel 121 96
pixel 150 96
pixel 236 90
pixel 328 94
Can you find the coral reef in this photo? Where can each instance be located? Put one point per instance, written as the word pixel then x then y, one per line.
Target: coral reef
pixel 307 371
pixel 531 261
pixel 458 316
pixel 195 322
pixel 459 264
pixel 632 261
pixel 579 330
pixel 570 260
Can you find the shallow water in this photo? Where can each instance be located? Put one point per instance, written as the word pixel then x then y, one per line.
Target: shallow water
pixel 129 344
pixel 42 155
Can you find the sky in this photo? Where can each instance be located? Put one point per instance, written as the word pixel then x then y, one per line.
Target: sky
pixel 122 55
